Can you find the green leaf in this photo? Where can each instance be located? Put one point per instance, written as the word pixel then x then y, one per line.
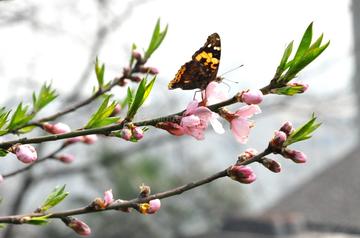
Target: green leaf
pixel 289 90
pixel 3 116
pixel 54 198
pixel 19 117
pixel 141 95
pixel 304 132
pixel 103 112
pixel 3 152
pixel 99 70
pixel 45 96
pixel 129 98
pixel 39 221
pixel 2 225
pixel 156 39
pixel 304 44
pixel 286 56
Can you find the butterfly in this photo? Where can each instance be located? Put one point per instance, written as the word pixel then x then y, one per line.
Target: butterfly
pixel 202 68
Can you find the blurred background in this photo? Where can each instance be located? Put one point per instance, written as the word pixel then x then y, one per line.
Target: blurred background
pixel 57 41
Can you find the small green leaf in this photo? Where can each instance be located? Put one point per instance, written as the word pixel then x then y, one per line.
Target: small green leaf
pixel 289 90
pixel 39 221
pixel 286 56
pixel 3 116
pixel 304 44
pixel 19 117
pixel 3 152
pixel 129 98
pixel 54 198
pixel 45 96
pixel 156 39
pixel 99 70
pixel 304 132
pixel 103 112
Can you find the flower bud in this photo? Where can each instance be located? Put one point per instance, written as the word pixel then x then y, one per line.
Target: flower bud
pixel 126 134
pixel 58 128
pixel 303 86
pixel 248 154
pixel 90 139
pixel 144 190
pixel 74 140
pixel 1 179
pixel 138 133
pixel 241 173
pixel 136 55
pixel 25 153
pixel 148 70
pixel 116 110
pixel 79 227
pixel 108 197
pixel 287 128
pixel 294 155
pixel 154 206
pixel 66 158
pixel 272 165
pixel 135 78
pixel 278 139
pixel 171 127
pixel 252 97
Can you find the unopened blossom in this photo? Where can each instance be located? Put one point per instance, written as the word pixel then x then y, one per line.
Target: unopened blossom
pixel 302 86
pixel 241 173
pixel 1 179
pixel 294 155
pixel 74 140
pixel 278 139
pixel 79 227
pixel 117 110
pixel 108 197
pixel 214 93
pixel 66 158
pixel 90 139
pixel 136 55
pixel 151 207
pixel 137 133
pixel 126 134
pixel 148 70
pixel 25 153
pixel 287 128
pixel 252 97
pixel 249 153
pixel 239 121
pixel 171 127
pixel 272 165
pixel 58 128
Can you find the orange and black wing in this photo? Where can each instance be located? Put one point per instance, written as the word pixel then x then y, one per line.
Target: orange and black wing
pixel 203 67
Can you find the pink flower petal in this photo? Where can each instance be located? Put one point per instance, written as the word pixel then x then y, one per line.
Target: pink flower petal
pixel 190 121
pixel 248 111
pixel 215 93
pixel 193 105
pixel 240 128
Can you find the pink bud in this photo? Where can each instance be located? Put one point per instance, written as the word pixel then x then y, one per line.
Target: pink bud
pixel 303 86
pixel 172 128
pixel 74 140
pixel 1 179
pixel 66 158
pixel 108 197
pixel 90 139
pixel 148 70
pixel 154 206
pixel 58 128
pixel 138 133
pixel 278 139
pixel 125 134
pixel 294 155
pixel 287 128
pixel 272 165
pixel 117 110
pixel 248 154
pixel 80 227
pixel 25 153
pixel 252 97
pixel 136 55
pixel 241 173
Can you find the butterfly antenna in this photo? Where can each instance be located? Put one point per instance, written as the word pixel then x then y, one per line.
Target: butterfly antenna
pixel 233 69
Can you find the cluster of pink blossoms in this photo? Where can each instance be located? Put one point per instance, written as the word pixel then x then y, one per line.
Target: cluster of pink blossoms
pixel 197 116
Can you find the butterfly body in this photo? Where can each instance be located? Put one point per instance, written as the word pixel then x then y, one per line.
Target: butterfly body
pixel 202 68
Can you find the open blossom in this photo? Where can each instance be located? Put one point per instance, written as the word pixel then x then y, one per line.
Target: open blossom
pixel 25 153
pixel 214 93
pixel 79 227
pixel 242 174
pixel 239 121
pixel 58 128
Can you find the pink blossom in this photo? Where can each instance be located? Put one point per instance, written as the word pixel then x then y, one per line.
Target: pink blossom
pixel 214 93
pixel 90 139
pixel 66 158
pixel 195 120
pixel 154 206
pixel 137 133
pixel 108 197
pixel 80 227
pixel 294 155
pixel 58 128
pixel 239 123
pixel 287 128
pixel 125 134
pixel 242 174
pixel 252 97
pixel 25 153
pixel 171 127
